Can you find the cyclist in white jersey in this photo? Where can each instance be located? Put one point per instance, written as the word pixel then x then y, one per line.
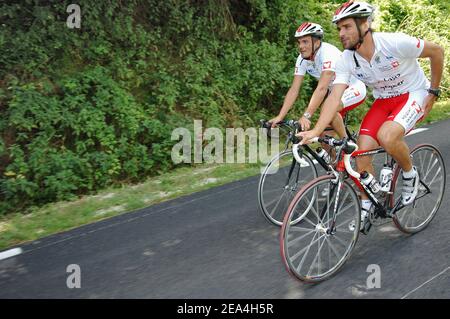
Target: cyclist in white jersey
pixel 318 59
pixel 386 62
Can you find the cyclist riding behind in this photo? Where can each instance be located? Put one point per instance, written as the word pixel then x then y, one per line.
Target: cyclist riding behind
pixel 386 62
pixel 318 59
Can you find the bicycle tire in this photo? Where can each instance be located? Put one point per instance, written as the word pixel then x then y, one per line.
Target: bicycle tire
pixel 277 177
pixel 289 243
pixel 424 215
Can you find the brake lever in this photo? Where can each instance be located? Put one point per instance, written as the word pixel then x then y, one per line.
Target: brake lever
pixel 266 125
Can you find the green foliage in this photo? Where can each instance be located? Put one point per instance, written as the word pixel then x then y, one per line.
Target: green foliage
pixel 425 19
pixel 86 108
pixel 88 134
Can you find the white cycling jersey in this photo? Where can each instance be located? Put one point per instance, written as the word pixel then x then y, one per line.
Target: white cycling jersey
pixel 325 60
pixel 393 69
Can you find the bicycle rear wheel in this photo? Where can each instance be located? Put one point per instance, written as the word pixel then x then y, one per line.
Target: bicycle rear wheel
pixel 430 165
pixel 310 250
pixel 279 182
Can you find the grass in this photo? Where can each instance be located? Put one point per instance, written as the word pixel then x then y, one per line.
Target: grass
pixel 440 111
pixel 57 217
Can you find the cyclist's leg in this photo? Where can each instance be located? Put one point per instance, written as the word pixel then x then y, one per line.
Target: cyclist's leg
pixel 353 96
pixel 364 163
pixel 338 125
pixel 390 136
pixel 368 136
pixel 401 121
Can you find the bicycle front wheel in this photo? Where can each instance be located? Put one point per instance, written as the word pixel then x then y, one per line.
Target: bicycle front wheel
pixel 312 250
pixel 281 179
pixel 431 168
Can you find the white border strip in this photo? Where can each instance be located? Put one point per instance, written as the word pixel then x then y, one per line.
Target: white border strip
pixel 425 283
pixel 10 253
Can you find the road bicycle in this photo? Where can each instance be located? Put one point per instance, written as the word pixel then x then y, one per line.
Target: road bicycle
pixel 324 235
pixel 283 176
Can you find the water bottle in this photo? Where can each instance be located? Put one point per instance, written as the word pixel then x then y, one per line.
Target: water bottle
pixel 368 180
pixel 323 154
pixel 386 178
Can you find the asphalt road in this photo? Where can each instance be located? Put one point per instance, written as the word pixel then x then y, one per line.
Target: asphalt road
pixel 216 244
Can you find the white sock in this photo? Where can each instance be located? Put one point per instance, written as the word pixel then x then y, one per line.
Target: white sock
pixel 366 204
pixel 409 174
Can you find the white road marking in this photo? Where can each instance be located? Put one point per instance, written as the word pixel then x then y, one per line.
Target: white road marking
pixel 425 283
pixel 10 253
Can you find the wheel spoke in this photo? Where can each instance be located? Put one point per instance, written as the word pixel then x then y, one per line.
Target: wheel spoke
pixel 341 211
pixel 421 160
pixel 301 229
pixel 434 177
pixel 309 221
pixel 272 202
pixel 312 207
pixel 307 248
pixel 296 240
pixel 340 241
pixel 415 217
pixel 278 203
pixel 274 190
pixel 316 257
pixel 429 169
pixel 333 248
pixel 345 222
pixel 311 251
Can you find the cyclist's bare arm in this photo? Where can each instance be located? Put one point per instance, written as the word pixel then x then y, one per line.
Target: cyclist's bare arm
pixel 330 107
pixel 328 112
pixel 290 98
pixel 436 55
pixel 321 90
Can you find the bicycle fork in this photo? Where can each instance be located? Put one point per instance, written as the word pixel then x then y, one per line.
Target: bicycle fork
pixel 332 188
pixel 291 170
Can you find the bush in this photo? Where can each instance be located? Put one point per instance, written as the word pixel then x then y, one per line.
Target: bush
pixel 424 19
pixel 90 107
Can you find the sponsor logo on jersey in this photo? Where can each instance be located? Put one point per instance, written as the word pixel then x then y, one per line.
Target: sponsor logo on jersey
pixel 326 65
pixel 392 78
pixel 416 107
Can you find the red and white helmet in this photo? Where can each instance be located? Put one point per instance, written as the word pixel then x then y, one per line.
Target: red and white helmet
pixel 352 9
pixel 309 28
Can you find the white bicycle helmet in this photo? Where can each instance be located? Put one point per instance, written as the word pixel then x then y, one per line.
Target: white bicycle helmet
pixel 309 28
pixel 352 9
